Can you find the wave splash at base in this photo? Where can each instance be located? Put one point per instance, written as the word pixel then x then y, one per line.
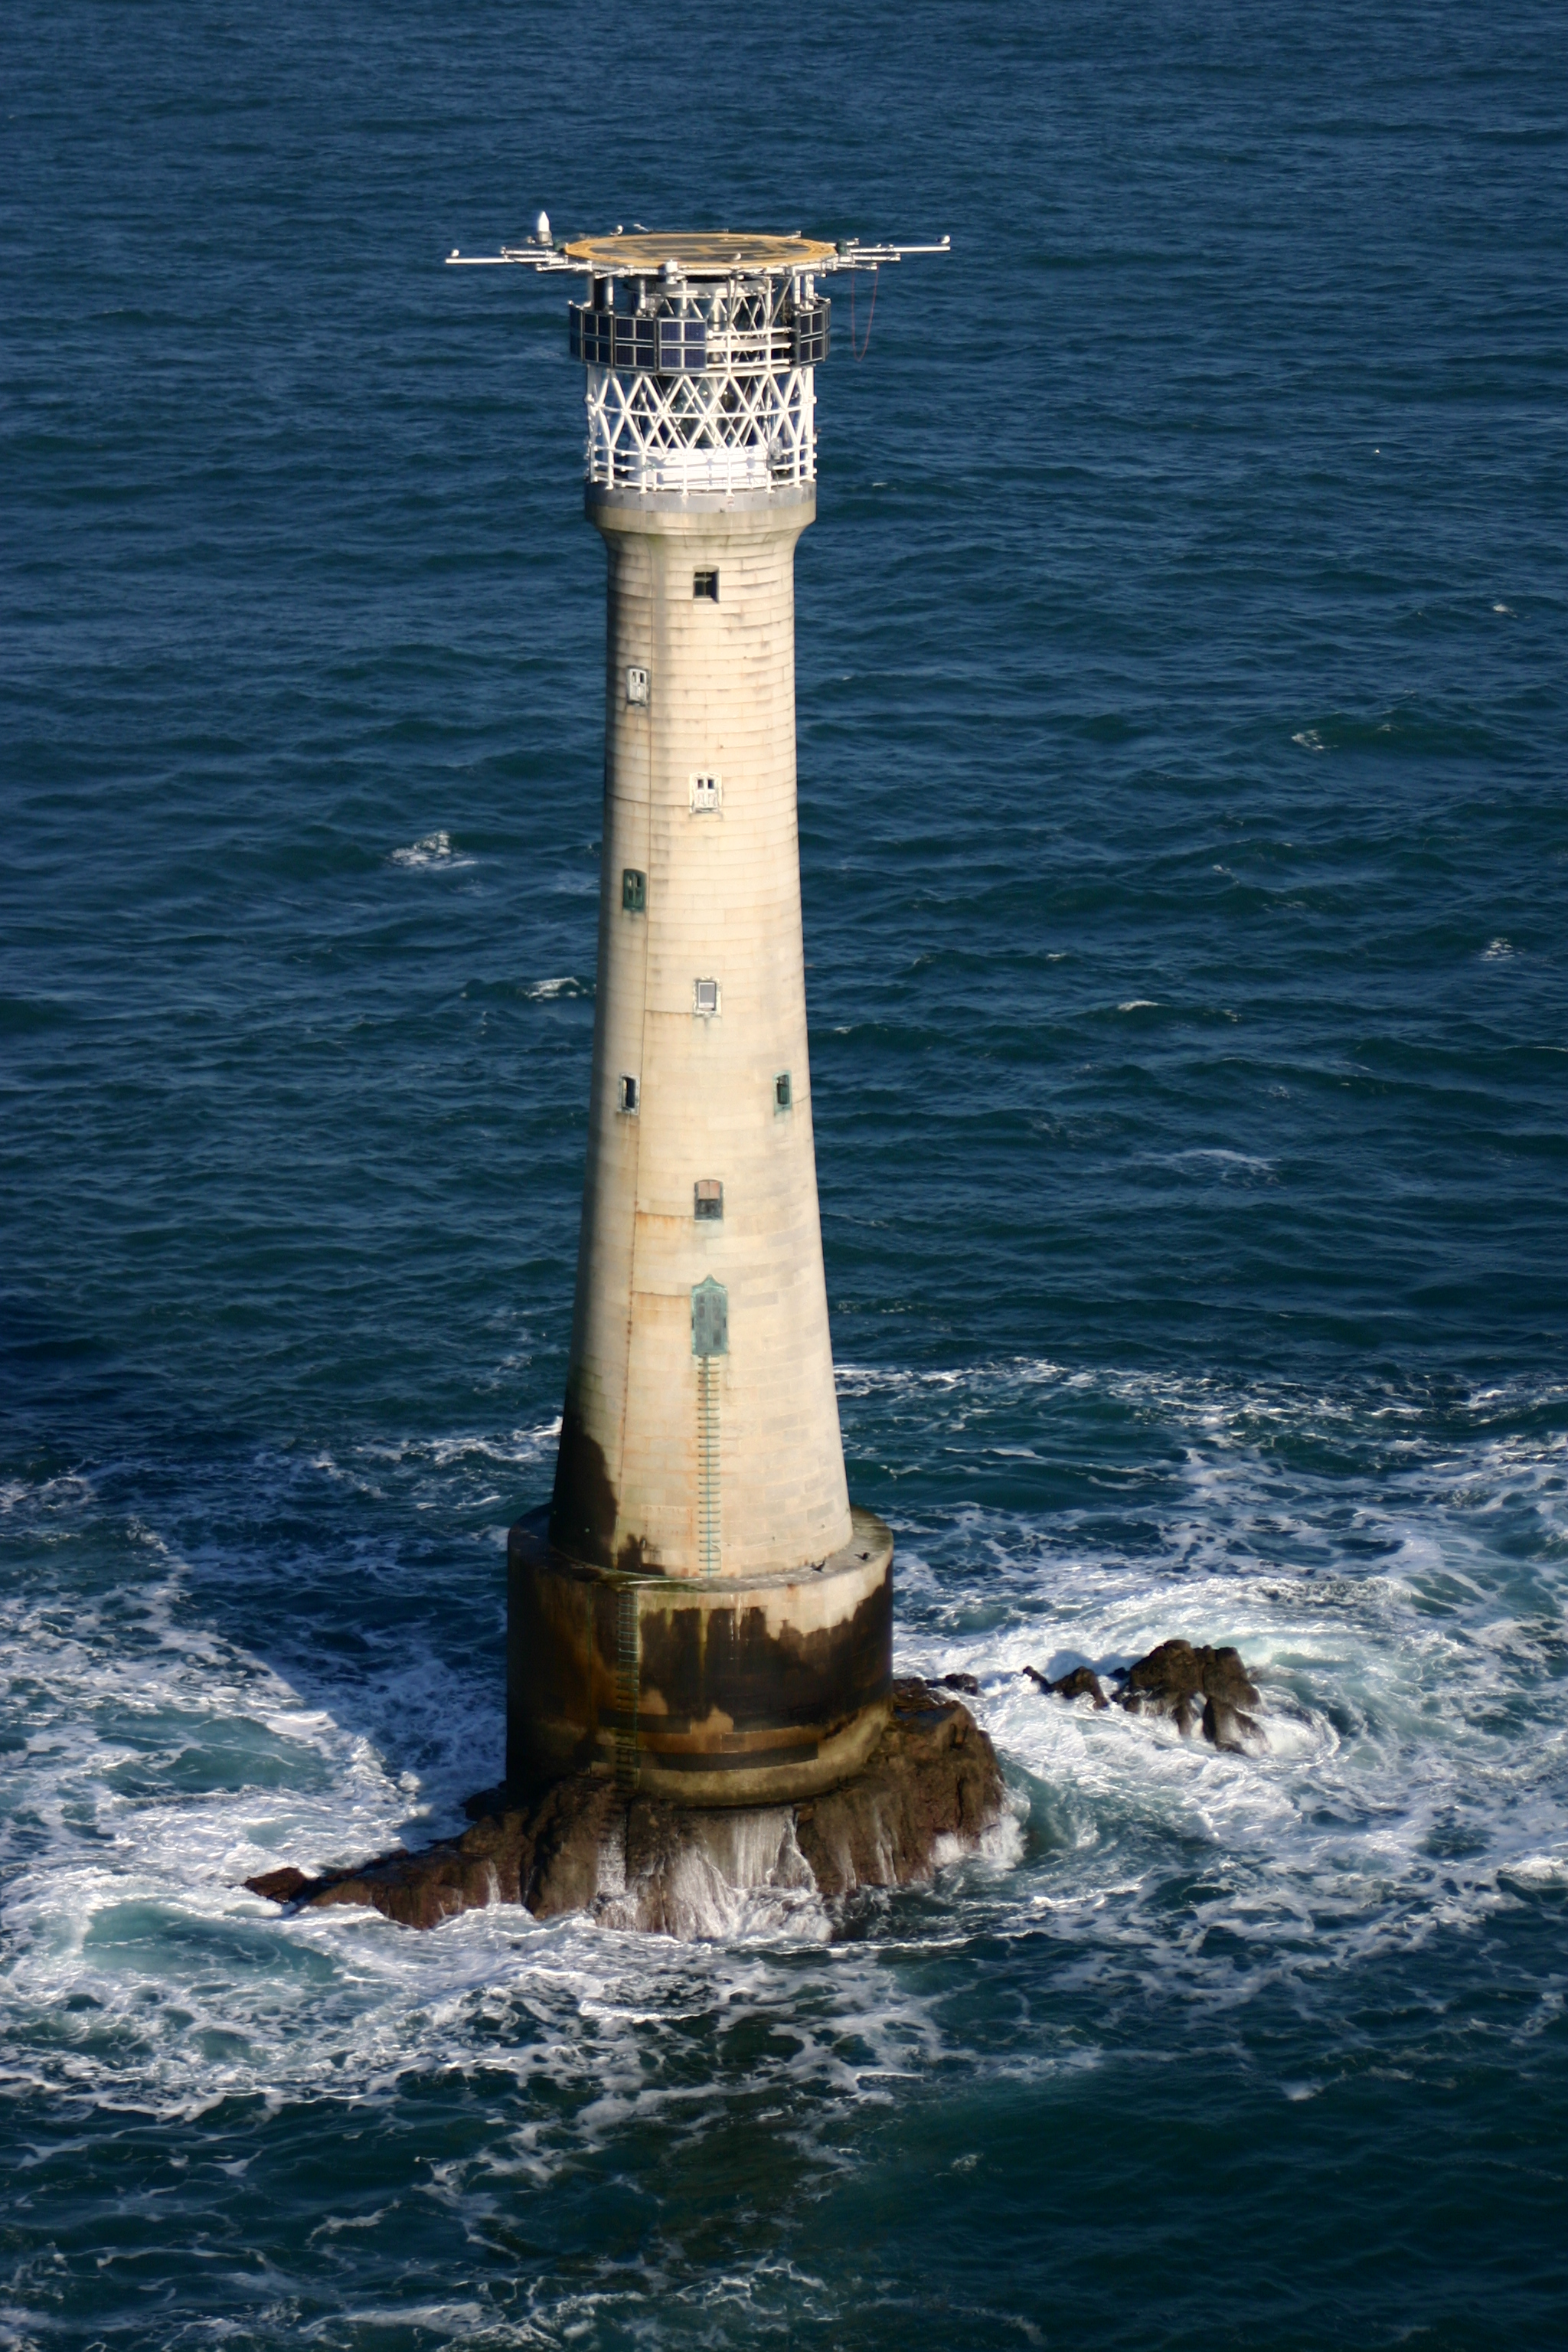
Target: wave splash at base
pixel 931 1790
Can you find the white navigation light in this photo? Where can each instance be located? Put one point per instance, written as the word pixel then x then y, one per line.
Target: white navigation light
pixel 542 228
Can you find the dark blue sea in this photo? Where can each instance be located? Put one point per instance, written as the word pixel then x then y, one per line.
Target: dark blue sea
pixel 1183 735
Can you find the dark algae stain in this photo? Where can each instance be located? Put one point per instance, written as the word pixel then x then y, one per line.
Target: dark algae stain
pixel 766 1677
pixel 690 1676
pixel 583 1512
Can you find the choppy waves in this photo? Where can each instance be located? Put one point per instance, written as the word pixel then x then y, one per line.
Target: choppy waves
pixel 1393 1574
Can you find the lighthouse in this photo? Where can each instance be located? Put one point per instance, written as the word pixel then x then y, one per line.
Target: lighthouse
pixel 701 1611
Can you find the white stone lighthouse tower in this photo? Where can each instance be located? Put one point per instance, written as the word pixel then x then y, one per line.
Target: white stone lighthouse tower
pixel 701 1611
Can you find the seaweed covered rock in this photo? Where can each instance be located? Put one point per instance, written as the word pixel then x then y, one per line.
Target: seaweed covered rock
pixel 931 1790
pixel 1176 1670
pixel 1196 1688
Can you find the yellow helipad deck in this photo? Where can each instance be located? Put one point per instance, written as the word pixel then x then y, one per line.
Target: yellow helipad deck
pixel 706 254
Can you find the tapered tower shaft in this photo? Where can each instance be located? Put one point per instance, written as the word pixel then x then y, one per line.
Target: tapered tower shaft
pixel 700 1166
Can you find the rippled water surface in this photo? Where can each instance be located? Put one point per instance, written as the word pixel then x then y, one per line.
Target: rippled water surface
pixel 1183 743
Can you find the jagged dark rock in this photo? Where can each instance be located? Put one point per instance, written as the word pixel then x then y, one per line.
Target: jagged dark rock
pixel 1082 1683
pixel 1176 1671
pixel 931 1790
pixel 281 1885
pixel 967 1683
pixel 1196 1688
pixel 933 1785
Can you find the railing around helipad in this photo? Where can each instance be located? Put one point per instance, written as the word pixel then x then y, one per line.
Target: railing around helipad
pixel 697 340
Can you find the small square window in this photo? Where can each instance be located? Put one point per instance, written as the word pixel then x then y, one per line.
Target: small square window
pixel 707 1199
pixel 628 1093
pixel 634 890
pixel 707 794
pixel 705 997
pixel 782 1096
pixel 636 684
pixel 705 584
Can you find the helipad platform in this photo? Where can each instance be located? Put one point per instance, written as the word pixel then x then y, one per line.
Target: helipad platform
pixel 703 254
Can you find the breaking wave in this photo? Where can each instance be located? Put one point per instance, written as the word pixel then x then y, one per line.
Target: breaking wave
pixel 1405 1632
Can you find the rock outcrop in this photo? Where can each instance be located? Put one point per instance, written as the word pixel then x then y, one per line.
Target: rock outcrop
pixel 931 1789
pixel 1197 1688
pixel 1082 1683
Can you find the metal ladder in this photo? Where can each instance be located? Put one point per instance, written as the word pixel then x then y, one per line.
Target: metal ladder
pixel 626 1682
pixel 708 1537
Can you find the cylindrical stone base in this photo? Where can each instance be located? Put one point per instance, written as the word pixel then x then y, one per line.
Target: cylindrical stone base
pixel 702 1690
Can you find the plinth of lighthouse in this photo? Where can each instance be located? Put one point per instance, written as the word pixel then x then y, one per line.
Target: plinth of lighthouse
pixel 701 1611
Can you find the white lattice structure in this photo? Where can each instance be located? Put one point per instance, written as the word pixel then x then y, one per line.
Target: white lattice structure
pixel 729 431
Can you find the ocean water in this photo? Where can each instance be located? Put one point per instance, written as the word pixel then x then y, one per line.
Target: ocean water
pixel 1184 723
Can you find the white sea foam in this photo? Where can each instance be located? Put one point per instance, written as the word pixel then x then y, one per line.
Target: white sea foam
pixel 1224 1161
pixel 1402 1626
pixel 743 1880
pixel 166 1764
pixel 546 992
pixel 1416 1732
pixel 518 1449
pixel 436 849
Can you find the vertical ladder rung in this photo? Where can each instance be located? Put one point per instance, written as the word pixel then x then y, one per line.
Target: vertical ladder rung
pixel 625 1688
pixel 709 1539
